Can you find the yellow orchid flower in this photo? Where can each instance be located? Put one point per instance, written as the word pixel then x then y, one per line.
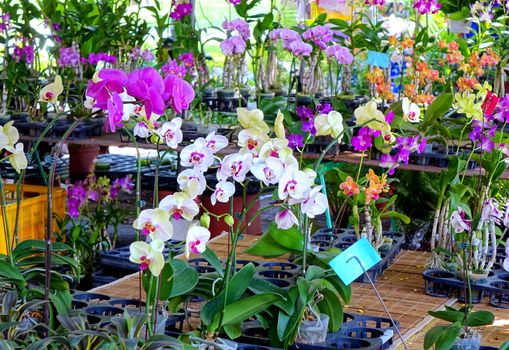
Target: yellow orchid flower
pixel 50 92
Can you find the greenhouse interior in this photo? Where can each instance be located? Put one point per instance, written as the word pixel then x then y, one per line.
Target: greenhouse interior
pixel 254 174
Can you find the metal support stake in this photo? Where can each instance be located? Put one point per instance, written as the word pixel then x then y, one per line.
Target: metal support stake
pixel 381 300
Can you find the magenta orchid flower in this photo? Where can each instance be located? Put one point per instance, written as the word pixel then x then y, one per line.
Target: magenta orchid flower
pixel 147 86
pixel 178 93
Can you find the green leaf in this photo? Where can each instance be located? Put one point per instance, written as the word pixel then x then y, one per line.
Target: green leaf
pixel 432 335
pixel 242 309
pixel 213 260
pixel 449 316
pixel 504 346
pixel 480 318
pixel 61 299
pixel 266 246
pixel 233 331
pixel 237 286
pixel 395 214
pixel 436 109
pixel 11 272
pixel 166 283
pixel 258 286
pixel 344 291
pixel 447 338
pixel 331 306
pixel 185 279
pixel 291 239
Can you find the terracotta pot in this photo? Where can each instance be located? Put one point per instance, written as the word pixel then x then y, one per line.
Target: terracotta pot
pixel 218 226
pixel 81 160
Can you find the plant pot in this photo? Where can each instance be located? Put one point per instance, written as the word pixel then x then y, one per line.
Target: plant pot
pixel 81 160
pixel 313 332
pixel 471 342
pixel 303 100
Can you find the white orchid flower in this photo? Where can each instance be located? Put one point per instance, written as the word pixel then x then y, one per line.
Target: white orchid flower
pixel 277 148
pixel 11 133
pixel 192 182
pixel 329 124
pixel 170 132
pixel 148 255
pixel 279 128
pixel 251 140
pixel 285 219
pixel 196 240
pixel 235 165
pixel 224 190
pixel 411 111
pixel 369 115
pixel 315 204
pixel 458 221
pixel 268 171
pixel 216 142
pixel 294 185
pixel 252 119
pixel 154 223
pixel 197 155
pixel 180 205
pixel 17 158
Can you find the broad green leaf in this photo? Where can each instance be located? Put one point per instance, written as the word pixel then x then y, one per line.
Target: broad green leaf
pixel 480 318
pixel 395 214
pixel 237 286
pixel 258 286
pixel 331 306
pixel 448 336
pixel 185 279
pixel 213 260
pixel 291 239
pixel 267 247
pixel 432 335
pixel 233 331
pixel 449 316
pixel 242 309
pixel 436 109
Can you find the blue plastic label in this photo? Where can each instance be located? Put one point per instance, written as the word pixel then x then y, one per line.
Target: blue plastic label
pixel 378 59
pixel 347 263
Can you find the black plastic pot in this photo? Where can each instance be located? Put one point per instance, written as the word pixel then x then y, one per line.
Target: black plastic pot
pixel 126 303
pixel 276 274
pixel 104 310
pixel 283 266
pixel 433 286
pixel 90 297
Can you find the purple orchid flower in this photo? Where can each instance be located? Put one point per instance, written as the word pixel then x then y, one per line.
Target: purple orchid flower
pixel 178 93
pixel 111 80
pixel 147 85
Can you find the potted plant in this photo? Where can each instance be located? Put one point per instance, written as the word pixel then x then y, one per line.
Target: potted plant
pixel 459 334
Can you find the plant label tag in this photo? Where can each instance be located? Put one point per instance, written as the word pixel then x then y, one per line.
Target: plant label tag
pixel 388 334
pixel 378 59
pixel 347 263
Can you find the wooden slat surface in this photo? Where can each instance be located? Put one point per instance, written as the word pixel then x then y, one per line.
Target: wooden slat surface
pixel 401 287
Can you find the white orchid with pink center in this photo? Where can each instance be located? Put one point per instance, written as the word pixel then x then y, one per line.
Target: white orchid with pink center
pixel 315 203
pixel 180 206
pixel 224 190
pixel 459 222
pixel 277 148
pixel 286 219
pixel 192 182
pixel 197 155
pixel 154 223
pixel 236 166
pixel 216 142
pixel 294 185
pixel 269 171
pixel 148 255
pixel 196 240
pixel 171 133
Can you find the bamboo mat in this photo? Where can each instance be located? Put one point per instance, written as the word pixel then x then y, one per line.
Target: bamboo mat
pixel 401 287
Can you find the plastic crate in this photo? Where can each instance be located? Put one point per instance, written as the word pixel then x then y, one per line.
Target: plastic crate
pixel 32 221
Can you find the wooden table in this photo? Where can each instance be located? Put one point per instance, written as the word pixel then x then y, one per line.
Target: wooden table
pixel 401 287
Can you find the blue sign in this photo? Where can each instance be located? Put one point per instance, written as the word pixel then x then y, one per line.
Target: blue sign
pixel 378 59
pixel 347 263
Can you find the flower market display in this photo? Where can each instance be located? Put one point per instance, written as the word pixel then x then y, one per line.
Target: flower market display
pixel 254 174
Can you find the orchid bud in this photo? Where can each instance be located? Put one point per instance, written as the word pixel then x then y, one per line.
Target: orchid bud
pixel 205 220
pixel 228 219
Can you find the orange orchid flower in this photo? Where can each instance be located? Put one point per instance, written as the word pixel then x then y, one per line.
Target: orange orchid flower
pixel 349 187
